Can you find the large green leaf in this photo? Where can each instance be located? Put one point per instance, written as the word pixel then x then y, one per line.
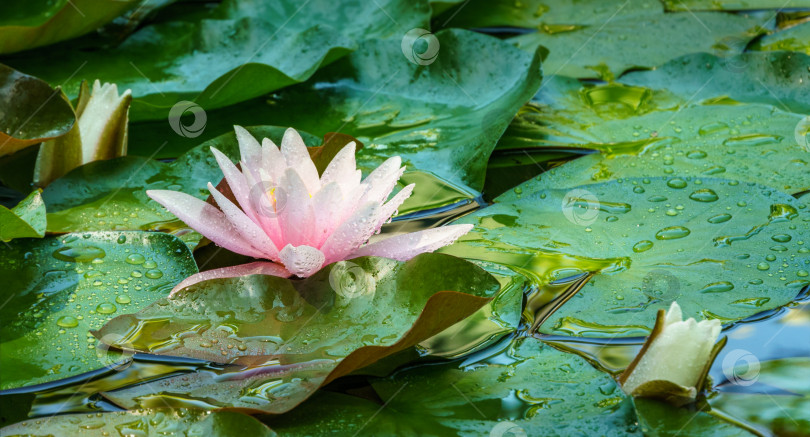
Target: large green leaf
pixel 796 38
pixel 444 118
pixel 549 14
pixel 607 50
pixel 732 5
pixel 59 288
pixel 290 336
pixel 780 400
pixel 777 78
pixel 240 50
pixel 27 219
pixel 111 195
pixel 32 111
pixel 660 419
pixel 528 389
pixel 151 422
pixel 30 24
pixel 723 249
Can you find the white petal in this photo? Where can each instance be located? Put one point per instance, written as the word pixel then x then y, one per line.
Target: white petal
pixel 342 168
pixel 296 155
pixel 273 163
pixel 326 207
pixel 406 246
pixel 236 182
pixel 301 261
pixel 249 148
pixel 252 232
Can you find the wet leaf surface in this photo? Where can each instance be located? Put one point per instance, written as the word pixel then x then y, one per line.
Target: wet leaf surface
pixel 59 288
pixel 27 219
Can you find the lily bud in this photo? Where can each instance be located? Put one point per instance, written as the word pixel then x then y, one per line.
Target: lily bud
pixel 674 361
pixel 100 132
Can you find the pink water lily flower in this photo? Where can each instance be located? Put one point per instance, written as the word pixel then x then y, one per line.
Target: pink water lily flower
pixel 286 213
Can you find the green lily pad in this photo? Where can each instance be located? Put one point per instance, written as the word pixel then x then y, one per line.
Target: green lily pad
pixel 780 400
pixel 661 419
pixel 288 337
pixel 443 118
pixel 794 39
pixel 24 95
pixel 549 14
pixel 37 23
pixel 732 5
pixel 111 195
pixel 59 288
pixel 617 45
pixel 151 422
pixel 723 249
pixel 528 389
pixel 777 78
pixel 27 219
pixel 750 143
pixel 238 51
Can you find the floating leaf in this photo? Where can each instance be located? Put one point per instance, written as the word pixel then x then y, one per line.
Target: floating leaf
pixel 238 51
pixel 59 288
pixel 149 422
pixel 552 16
pixel 661 419
pixel 32 24
pixel 723 249
pixel 27 219
pixel 732 5
pixel 443 118
pixel 777 78
pixel 780 400
pixel 617 45
pixel 288 337
pixel 527 389
pixel 792 39
pixel 32 111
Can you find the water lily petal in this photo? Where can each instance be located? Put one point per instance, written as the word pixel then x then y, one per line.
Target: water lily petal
pixel 296 155
pixel 406 246
pixel 263 202
pixel 249 148
pixel 351 233
pixel 252 232
pixel 273 162
pixel 236 182
pixel 382 180
pixel 302 261
pixel 326 207
pixel 390 207
pixel 254 268
pixel 295 211
pixel 342 168
pixel 205 219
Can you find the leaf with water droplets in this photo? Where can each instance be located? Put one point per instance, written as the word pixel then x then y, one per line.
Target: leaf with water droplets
pixel 59 288
pixel 663 247
pixel 148 422
pixel 520 388
pixel 26 220
pixel 288 337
